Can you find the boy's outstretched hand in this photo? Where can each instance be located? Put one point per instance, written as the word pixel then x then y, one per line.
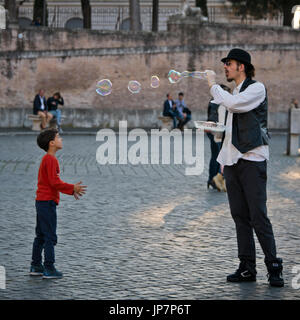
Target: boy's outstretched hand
pixel 79 190
pixel 76 196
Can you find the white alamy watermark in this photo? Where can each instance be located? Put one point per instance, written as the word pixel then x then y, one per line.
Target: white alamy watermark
pixel 296 278
pixel 155 151
pixel 2 278
pixel 2 18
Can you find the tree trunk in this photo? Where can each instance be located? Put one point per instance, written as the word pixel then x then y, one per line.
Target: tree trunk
pixel 40 12
pixel 135 15
pixel 155 8
pixel 287 13
pixel 203 5
pixel 12 16
pixel 87 13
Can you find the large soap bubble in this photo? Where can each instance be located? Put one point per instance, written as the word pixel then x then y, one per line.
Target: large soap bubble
pixel 134 86
pixel 175 76
pixel 104 87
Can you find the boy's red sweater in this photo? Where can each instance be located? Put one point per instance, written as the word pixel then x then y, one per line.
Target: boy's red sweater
pixel 49 184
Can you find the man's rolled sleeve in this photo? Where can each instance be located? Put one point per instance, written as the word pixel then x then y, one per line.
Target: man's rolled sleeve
pixel 241 102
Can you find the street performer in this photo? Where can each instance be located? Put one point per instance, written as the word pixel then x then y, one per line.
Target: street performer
pixel 244 154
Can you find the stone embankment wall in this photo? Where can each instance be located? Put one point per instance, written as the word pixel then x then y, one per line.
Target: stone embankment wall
pixel 72 62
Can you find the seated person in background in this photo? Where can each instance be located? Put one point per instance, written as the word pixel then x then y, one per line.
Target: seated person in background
pixel 216 113
pixel 40 108
pixel 53 103
pixel 171 111
pixel 183 110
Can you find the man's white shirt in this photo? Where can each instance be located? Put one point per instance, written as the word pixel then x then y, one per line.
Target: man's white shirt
pixel 238 102
pixel 42 103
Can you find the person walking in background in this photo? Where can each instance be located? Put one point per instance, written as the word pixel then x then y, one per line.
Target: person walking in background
pixel 171 111
pixel 215 113
pixel 244 154
pixel 183 110
pixel 52 104
pixel 40 108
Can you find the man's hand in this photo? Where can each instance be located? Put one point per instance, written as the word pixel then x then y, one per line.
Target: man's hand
pixel 79 190
pixel 211 77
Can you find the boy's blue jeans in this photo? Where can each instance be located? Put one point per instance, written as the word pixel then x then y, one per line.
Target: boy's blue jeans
pixel 45 230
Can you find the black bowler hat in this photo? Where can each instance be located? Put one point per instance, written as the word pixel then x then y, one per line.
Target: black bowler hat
pixel 239 55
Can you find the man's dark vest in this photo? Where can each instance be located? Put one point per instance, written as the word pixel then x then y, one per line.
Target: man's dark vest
pixel 249 129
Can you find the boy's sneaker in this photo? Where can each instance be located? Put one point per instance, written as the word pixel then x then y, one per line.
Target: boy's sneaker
pixel 52 274
pixel 36 270
pixel 275 273
pixel 245 273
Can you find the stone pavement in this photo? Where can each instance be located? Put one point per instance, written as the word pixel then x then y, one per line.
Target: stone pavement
pixel 140 232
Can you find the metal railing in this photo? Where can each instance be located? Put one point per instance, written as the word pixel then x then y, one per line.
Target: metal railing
pixel 114 18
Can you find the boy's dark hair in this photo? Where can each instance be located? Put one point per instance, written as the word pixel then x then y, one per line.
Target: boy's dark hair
pixel 45 137
pixel 180 94
pixel 57 94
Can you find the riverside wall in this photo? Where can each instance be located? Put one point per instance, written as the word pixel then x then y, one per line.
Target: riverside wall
pixel 73 61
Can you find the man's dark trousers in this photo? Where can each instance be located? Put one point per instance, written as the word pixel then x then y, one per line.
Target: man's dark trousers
pixel 46 237
pixel 246 189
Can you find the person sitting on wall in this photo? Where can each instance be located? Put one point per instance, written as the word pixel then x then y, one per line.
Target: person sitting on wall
pixel 183 110
pixel 170 110
pixel 53 103
pixel 40 108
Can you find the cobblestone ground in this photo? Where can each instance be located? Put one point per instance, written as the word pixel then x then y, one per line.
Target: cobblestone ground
pixel 141 232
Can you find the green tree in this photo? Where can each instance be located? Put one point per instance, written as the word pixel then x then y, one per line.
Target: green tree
pixel 203 5
pixel 261 9
pixel 40 12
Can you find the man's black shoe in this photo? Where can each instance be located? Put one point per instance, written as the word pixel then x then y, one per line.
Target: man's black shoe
pixel 275 273
pixel 242 274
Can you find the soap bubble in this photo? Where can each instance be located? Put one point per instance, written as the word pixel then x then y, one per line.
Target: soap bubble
pixel 196 74
pixel 154 81
pixel 134 86
pixel 174 76
pixel 104 87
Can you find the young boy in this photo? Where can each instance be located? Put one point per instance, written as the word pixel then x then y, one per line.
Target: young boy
pixel 47 198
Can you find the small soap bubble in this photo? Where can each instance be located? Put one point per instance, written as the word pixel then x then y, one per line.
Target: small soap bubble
pixel 134 86
pixel 154 81
pixel 104 87
pixel 174 76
